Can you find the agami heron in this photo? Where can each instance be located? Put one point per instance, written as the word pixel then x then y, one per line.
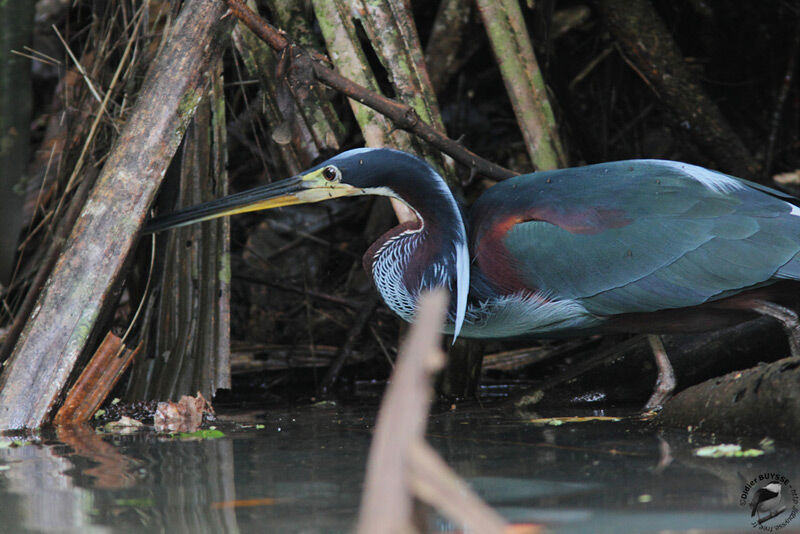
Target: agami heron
pixel 645 246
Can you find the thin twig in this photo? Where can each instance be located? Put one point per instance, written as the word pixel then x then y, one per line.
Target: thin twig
pixel 78 65
pixel 41 54
pixel 352 336
pixel 377 337
pixel 142 300
pixel 23 245
pixel 32 57
pixel 590 67
pixel 103 102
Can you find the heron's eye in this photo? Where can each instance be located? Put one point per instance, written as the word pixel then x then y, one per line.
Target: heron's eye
pixel 331 173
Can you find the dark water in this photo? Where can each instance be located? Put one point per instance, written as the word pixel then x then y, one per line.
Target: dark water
pixel 303 470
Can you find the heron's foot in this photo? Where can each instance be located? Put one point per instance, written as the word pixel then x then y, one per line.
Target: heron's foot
pixel 665 382
pixel 788 319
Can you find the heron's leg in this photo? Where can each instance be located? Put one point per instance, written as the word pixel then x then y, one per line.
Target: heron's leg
pixel 665 383
pixel 788 319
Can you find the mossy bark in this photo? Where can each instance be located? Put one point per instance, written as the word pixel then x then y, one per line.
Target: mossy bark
pixel 260 61
pixel 393 35
pixel 313 102
pixel 340 36
pixel 339 32
pixel 524 82
pixel 84 278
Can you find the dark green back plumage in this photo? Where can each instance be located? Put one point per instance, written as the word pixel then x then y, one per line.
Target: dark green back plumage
pixel 638 236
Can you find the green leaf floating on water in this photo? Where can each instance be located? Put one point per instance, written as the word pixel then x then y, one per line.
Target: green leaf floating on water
pixel 210 433
pixel 726 450
pixel 558 421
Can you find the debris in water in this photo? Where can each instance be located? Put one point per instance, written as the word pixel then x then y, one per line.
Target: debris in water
pixel 186 415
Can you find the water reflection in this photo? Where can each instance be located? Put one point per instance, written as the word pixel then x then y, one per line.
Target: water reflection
pixel 302 470
pixel 38 492
pixel 113 469
pixel 87 482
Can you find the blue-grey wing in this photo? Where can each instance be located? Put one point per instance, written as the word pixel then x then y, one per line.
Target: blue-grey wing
pixel 635 236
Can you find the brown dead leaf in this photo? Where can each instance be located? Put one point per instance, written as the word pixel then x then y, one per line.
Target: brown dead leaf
pixel 186 415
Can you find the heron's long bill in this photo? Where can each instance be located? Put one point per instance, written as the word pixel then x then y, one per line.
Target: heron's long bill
pixel 301 189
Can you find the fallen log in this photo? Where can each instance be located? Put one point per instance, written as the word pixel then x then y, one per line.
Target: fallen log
pixel 763 401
